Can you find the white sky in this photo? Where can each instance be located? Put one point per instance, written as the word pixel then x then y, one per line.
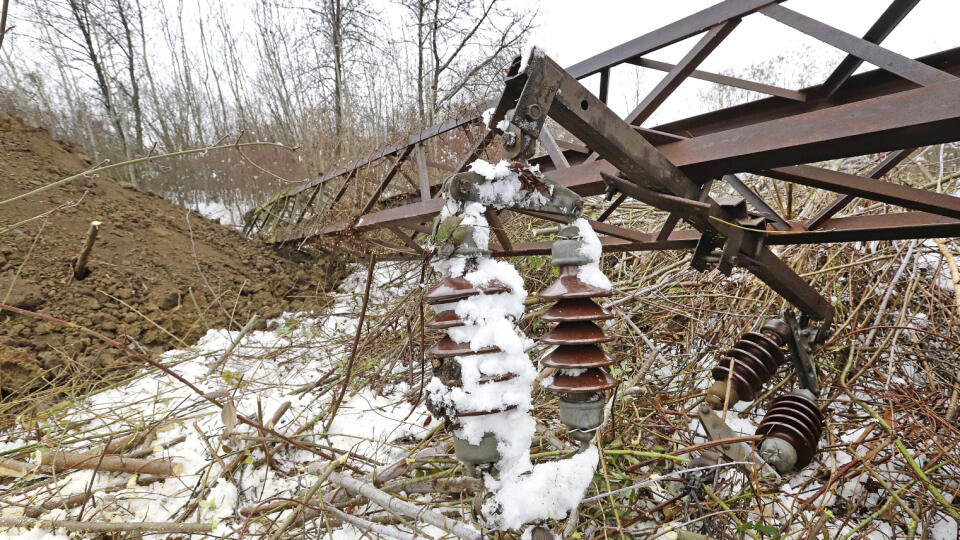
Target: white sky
pixel 572 30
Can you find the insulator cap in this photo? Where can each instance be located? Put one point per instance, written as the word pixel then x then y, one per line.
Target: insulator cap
pixel 797 420
pixel 455 288
pixel 575 309
pixel 779 329
pixel 577 357
pixel 570 286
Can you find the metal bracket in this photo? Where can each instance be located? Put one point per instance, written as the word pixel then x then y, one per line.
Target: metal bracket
pixel 538 193
pixel 801 344
pixel 718 430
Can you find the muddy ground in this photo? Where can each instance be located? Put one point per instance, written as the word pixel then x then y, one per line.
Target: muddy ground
pixel 159 274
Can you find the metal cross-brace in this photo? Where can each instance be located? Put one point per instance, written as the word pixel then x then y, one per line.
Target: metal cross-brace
pixel 647 175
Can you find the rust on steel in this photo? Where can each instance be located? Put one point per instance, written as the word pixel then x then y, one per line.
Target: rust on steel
pixel 907 104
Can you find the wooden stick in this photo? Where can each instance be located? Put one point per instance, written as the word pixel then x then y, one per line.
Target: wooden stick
pixel 393 504
pixel 99 526
pixel 15 468
pixel 80 267
pixel 60 460
pixel 77 499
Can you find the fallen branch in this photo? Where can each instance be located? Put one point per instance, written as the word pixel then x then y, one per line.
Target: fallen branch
pixel 79 498
pixel 98 526
pixel 419 513
pixel 60 460
pixel 15 468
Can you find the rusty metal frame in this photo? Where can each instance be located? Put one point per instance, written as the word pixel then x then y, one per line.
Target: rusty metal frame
pixel 908 104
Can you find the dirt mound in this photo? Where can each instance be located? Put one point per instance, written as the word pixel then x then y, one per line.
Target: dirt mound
pixel 160 275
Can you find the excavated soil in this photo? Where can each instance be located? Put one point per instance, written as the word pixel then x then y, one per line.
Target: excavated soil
pixel 159 274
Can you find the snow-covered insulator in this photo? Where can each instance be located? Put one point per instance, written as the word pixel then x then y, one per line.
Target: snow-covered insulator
pixel 443 299
pixel 792 428
pixel 755 357
pixel 581 363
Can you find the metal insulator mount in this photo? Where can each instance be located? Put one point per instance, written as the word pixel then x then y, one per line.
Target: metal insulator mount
pixel 792 427
pixel 754 358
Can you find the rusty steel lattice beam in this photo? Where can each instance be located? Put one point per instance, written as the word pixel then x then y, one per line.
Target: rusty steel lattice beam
pixel 906 104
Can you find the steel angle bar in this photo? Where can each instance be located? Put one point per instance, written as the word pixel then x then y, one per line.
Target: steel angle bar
pixel 868 188
pixel 679 72
pixel 591 121
pixel 756 201
pixel 726 80
pixel 907 68
pixel 838 204
pixel 889 20
pixel 677 31
pixel 862 86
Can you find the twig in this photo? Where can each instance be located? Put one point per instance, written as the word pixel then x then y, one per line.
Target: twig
pixel 233 345
pixel 391 503
pixel 356 341
pixel 99 169
pixel 96 526
pixel 311 491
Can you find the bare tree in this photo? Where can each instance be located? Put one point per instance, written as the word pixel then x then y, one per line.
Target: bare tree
pixel 3 20
pixel 457 42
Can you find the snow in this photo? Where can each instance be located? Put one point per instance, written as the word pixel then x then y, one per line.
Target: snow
pixel 263 372
pixel 549 491
pixel 592 249
pixel 504 188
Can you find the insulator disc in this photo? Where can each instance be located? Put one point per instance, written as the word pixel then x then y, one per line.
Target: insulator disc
pixel 446 348
pixel 575 333
pixel 762 342
pixel 592 381
pixel 803 406
pixel 445 319
pixel 568 285
pixel 577 357
pixel 575 309
pixel 757 356
pixel 453 288
pixel 796 420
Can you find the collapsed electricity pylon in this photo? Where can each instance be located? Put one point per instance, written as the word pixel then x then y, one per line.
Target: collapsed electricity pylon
pixel 907 104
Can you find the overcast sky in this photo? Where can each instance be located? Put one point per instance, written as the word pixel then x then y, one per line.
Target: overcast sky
pixel 572 30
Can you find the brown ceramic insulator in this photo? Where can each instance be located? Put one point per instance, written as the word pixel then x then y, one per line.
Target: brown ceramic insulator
pixel 575 309
pixel 444 320
pixel 447 369
pixel 577 357
pixel 591 381
pixel 455 288
pixel 446 348
pixel 796 420
pixel 756 358
pixel 576 333
pixel 568 285
pixel 577 337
